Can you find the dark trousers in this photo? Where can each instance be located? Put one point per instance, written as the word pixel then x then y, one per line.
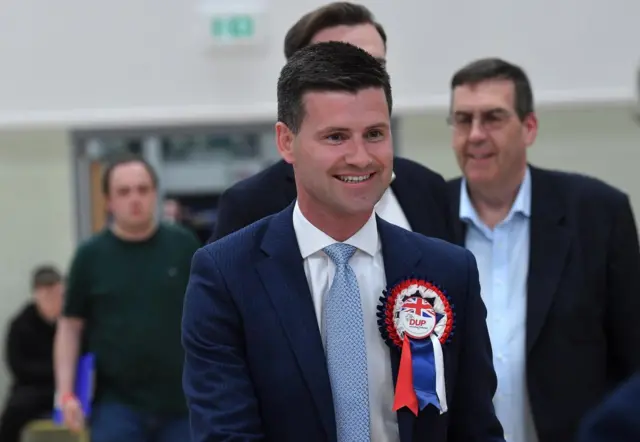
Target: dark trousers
pixel 115 422
pixel 25 404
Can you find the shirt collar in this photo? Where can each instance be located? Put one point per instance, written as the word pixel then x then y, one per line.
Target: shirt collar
pixel 311 239
pixel 521 205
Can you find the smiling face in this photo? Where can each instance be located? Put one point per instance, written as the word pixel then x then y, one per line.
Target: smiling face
pixel 489 139
pixel 342 154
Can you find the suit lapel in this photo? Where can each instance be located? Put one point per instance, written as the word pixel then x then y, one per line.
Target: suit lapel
pixel 548 249
pixel 282 274
pixel 401 258
pixel 413 208
pixel 549 243
pixel 459 227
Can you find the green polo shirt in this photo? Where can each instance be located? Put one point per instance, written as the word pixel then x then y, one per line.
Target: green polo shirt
pixel 130 295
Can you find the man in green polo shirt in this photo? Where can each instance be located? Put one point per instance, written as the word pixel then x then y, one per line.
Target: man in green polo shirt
pixel 124 304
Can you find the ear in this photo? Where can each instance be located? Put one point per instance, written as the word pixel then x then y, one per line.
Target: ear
pixel 530 124
pixel 107 202
pixel 284 141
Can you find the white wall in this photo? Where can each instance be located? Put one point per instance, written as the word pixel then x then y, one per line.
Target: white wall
pixel 140 61
pixel 603 142
pixel 38 218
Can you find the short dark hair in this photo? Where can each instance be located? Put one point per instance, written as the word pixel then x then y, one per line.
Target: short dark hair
pixel 327 66
pixel 45 276
pixel 497 69
pixel 119 160
pixel 328 16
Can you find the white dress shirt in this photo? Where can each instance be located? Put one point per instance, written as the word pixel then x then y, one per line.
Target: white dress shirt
pixel 368 267
pixel 388 208
pixel 502 254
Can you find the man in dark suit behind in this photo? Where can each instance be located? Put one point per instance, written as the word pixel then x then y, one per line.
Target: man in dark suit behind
pixel 417 197
pixel 558 260
pixel 280 326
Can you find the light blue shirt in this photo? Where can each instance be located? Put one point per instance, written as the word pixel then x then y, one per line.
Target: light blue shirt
pixel 502 254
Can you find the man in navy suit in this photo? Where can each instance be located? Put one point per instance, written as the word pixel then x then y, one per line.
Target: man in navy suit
pixel 280 324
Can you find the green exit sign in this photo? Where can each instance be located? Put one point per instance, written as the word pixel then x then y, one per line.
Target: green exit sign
pixel 233 27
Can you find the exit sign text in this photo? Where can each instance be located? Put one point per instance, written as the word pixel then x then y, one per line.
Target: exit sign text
pixel 235 28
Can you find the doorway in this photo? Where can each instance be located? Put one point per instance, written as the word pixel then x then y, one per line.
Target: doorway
pixel 194 166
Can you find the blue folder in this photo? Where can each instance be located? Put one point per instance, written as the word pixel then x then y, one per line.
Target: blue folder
pixel 84 388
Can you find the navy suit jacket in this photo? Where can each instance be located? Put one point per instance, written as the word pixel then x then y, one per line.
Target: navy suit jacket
pixel 617 419
pixel 255 367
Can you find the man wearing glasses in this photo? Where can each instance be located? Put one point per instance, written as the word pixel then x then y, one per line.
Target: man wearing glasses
pixel 558 259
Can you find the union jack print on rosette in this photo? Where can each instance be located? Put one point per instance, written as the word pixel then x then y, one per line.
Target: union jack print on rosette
pixel 416 317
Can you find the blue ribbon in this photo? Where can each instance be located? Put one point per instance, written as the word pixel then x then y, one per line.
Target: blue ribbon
pixel 424 372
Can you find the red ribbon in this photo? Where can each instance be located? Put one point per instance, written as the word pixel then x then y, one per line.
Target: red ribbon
pixel 405 393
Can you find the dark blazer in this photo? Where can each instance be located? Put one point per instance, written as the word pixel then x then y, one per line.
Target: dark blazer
pixel 583 306
pixel 422 194
pixel 617 419
pixel 255 366
pixel 29 356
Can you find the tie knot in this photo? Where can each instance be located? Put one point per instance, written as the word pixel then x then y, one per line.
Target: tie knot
pixel 340 253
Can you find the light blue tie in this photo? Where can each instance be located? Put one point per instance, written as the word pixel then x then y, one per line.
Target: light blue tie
pixel 345 347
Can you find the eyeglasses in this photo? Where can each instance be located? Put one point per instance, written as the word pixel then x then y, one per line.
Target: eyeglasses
pixel 488 120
